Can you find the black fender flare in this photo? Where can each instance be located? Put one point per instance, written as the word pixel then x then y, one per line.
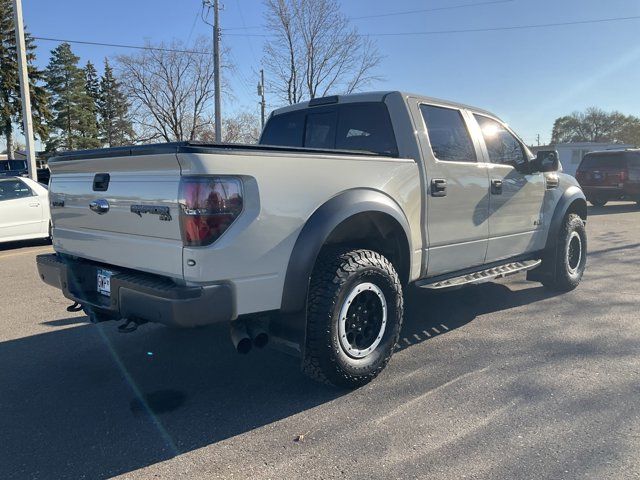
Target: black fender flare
pixel 290 326
pixel 569 197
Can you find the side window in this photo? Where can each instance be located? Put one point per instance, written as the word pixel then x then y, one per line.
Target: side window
pixel 448 134
pixel 366 127
pixel 321 130
pixel 12 189
pixel 285 130
pixel 502 146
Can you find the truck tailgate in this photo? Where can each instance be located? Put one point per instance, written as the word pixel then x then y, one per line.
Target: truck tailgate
pixel 140 228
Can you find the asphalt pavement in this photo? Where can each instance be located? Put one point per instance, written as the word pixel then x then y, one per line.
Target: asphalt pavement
pixel 501 380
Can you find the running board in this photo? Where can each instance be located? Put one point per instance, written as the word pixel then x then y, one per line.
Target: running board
pixel 480 276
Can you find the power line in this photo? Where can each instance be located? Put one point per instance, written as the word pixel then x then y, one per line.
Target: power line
pixel 435 9
pixel 431 32
pixel 514 27
pixel 404 12
pixel 474 30
pixel 119 45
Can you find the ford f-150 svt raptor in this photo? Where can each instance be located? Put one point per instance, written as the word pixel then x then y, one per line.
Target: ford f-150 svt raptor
pixel 309 238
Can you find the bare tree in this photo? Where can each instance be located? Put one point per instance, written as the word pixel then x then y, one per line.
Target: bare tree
pixel 243 127
pixel 170 89
pixel 315 51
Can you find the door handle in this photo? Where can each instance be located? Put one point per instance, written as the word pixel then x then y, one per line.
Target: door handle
pixel 438 187
pixel 496 187
pixel 34 204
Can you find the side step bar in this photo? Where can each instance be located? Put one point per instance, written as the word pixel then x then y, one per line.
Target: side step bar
pixel 480 276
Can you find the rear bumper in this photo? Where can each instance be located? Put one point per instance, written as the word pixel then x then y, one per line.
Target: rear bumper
pixel 136 295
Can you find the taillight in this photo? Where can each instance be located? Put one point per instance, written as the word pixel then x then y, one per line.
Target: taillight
pixel 208 206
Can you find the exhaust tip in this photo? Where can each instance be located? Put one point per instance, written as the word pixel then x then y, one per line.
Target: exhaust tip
pixel 244 346
pixel 260 340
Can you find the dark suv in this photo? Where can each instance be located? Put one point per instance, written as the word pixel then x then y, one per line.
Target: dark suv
pixel 610 175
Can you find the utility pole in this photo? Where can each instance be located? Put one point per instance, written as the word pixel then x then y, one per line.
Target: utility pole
pixel 24 90
pixel 263 104
pixel 216 71
pixel 538 139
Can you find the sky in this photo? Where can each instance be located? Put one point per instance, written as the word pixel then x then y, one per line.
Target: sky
pixel 528 77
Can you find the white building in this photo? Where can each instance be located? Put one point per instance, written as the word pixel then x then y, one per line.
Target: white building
pixel 571 153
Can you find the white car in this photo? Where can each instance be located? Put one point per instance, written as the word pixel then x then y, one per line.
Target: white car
pixel 24 210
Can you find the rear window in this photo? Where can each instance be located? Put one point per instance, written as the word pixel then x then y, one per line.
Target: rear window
pixel 351 126
pixel 603 161
pixel 14 188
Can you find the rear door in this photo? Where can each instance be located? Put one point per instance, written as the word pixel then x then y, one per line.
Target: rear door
pixel 516 197
pixel 134 220
pixel 457 190
pixel 20 210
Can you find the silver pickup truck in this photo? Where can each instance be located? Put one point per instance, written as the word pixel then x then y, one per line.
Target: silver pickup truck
pixel 308 239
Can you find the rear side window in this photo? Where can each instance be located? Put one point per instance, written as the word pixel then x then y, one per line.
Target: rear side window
pixel 502 146
pixel 367 127
pixel 284 130
pixel 350 126
pixel 12 189
pixel 448 134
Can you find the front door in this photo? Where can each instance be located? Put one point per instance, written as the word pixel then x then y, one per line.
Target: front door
pixel 20 210
pixel 457 187
pixel 516 196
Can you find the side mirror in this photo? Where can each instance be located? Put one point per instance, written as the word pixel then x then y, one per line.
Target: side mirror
pixel 546 161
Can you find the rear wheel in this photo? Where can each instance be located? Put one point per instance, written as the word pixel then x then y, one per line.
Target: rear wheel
pixel 354 317
pixel 566 266
pixel 598 201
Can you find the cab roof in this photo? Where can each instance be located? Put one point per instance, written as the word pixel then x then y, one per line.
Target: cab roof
pixel 376 96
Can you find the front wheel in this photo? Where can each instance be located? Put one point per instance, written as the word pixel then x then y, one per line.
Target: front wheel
pixel 567 265
pixel 354 317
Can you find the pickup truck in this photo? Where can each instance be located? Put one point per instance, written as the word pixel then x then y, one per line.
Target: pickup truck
pixel 309 239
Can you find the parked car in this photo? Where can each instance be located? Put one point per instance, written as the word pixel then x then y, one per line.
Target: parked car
pixel 610 175
pixel 13 168
pixel 18 168
pixel 311 237
pixel 24 209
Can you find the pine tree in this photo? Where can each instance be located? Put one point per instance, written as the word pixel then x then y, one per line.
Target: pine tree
pixel 88 126
pixel 74 121
pixel 10 100
pixel 115 124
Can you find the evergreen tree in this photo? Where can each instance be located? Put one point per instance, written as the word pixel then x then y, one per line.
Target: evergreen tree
pixel 10 100
pixel 115 124
pixel 89 122
pixel 74 120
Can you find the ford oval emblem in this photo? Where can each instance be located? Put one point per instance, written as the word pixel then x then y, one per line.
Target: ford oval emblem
pixel 100 206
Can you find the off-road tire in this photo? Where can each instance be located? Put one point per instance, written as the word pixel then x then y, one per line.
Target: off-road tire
pixel 564 274
pixel 337 275
pixel 598 202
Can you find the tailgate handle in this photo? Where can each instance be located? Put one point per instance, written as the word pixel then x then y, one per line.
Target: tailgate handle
pixel 101 182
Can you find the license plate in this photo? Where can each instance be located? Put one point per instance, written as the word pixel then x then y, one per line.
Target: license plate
pixel 597 176
pixel 104 282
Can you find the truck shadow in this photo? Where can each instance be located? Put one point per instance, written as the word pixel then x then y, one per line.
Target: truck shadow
pixel 24 244
pixel 87 401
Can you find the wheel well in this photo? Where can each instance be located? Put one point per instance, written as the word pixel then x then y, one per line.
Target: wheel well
pixel 375 231
pixel 579 207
